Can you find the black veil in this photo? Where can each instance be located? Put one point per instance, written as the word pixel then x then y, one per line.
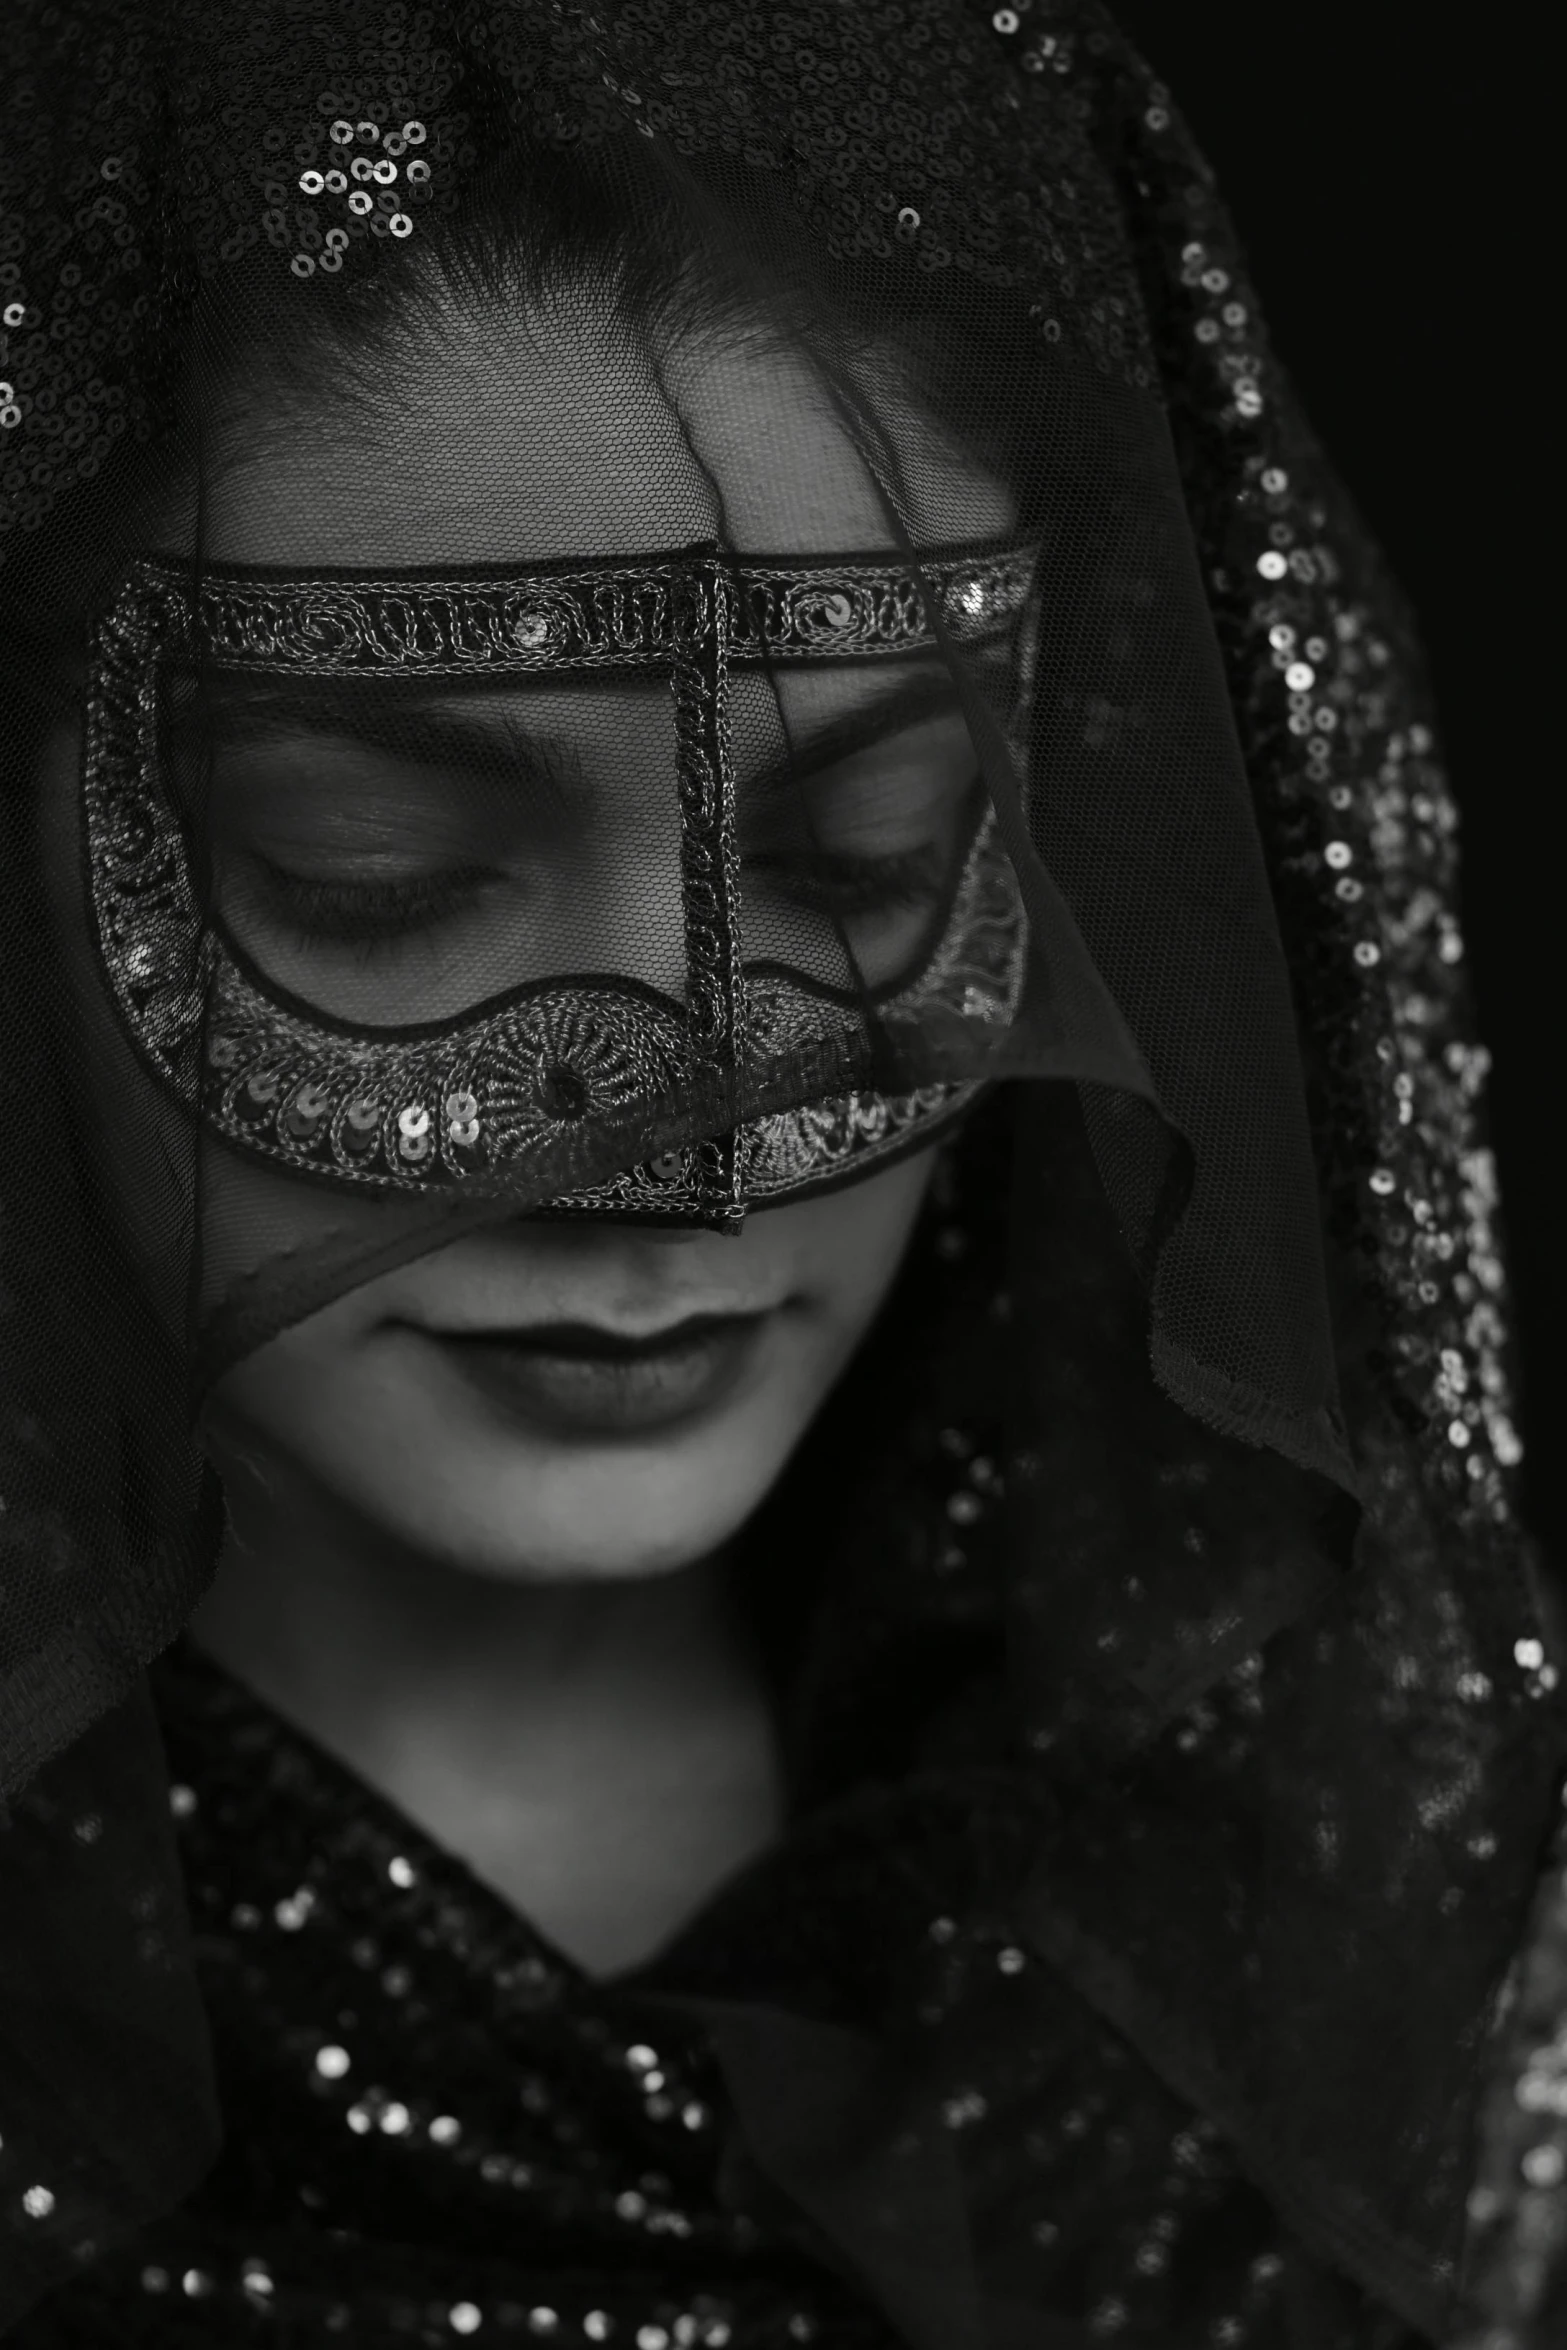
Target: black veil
pixel 1216 1293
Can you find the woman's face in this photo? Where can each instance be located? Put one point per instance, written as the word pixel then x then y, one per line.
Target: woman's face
pixel 552 1399
pixel 496 1404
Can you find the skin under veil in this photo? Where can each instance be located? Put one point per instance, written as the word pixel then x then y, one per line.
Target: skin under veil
pixel 968 1761
pixel 504 1605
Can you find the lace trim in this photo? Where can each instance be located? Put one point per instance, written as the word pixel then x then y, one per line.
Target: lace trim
pixel 612 616
pixel 709 869
pixel 505 1091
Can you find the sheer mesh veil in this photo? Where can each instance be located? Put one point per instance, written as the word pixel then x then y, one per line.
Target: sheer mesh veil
pixel 1025 753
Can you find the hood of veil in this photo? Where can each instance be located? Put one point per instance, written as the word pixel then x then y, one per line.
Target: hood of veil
pixel 1279 1698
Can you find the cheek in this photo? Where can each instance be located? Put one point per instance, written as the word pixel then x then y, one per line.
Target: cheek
pixel 853 1241
pixel 385 1426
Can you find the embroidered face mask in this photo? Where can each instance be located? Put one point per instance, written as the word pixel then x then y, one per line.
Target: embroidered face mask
pixel 357 844
pixel 423 849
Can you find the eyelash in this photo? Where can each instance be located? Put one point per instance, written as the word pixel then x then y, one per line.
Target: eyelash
pixel 372 918
pixel 367 918
pixel 834 882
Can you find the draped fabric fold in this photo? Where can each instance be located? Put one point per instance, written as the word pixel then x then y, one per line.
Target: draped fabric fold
pixel 1173 1739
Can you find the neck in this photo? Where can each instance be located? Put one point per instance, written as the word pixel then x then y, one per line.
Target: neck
pixel 358 1638
pixel 603 1753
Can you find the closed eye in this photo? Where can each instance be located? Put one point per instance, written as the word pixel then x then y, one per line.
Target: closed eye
pixel 368 916
pixel 838 882
pixel 376 915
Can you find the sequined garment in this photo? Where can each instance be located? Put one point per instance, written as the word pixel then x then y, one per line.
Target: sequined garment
pixel 1159 1976
pixel 439 2130
pixel 437 2127
pixel 1516 2276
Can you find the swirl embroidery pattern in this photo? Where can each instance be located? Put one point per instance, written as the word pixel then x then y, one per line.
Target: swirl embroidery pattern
pixel 500 1095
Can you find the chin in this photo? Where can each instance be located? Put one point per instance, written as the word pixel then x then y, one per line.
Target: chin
pixel 583 1516
pixel 499 1494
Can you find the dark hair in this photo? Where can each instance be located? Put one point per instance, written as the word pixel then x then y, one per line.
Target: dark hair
pixel 661 241
pixel 662 248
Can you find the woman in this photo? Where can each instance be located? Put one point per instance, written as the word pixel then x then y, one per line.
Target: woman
pixel 752 1250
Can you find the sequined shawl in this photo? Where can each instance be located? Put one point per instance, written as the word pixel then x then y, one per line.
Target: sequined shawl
pixel 1176 1740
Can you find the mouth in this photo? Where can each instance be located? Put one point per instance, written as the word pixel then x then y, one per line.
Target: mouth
pixel 577 1378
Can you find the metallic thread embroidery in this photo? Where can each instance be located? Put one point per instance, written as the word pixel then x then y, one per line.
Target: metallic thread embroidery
pixel 499 1092
pixel 613 615
pixel 710 864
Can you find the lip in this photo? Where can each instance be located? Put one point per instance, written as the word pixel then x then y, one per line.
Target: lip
pixel 579 1379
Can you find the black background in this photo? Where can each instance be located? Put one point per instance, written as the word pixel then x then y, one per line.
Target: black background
pixel 1372 157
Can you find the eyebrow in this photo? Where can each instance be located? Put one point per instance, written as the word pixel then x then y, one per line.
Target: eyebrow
pixel 433 727
pixel 418 725
pixel 918 694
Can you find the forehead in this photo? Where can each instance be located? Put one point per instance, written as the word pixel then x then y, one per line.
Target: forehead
pixel 521 434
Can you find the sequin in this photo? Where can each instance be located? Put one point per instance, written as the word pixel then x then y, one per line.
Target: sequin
pixel 585 1047
pixel 1392 825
